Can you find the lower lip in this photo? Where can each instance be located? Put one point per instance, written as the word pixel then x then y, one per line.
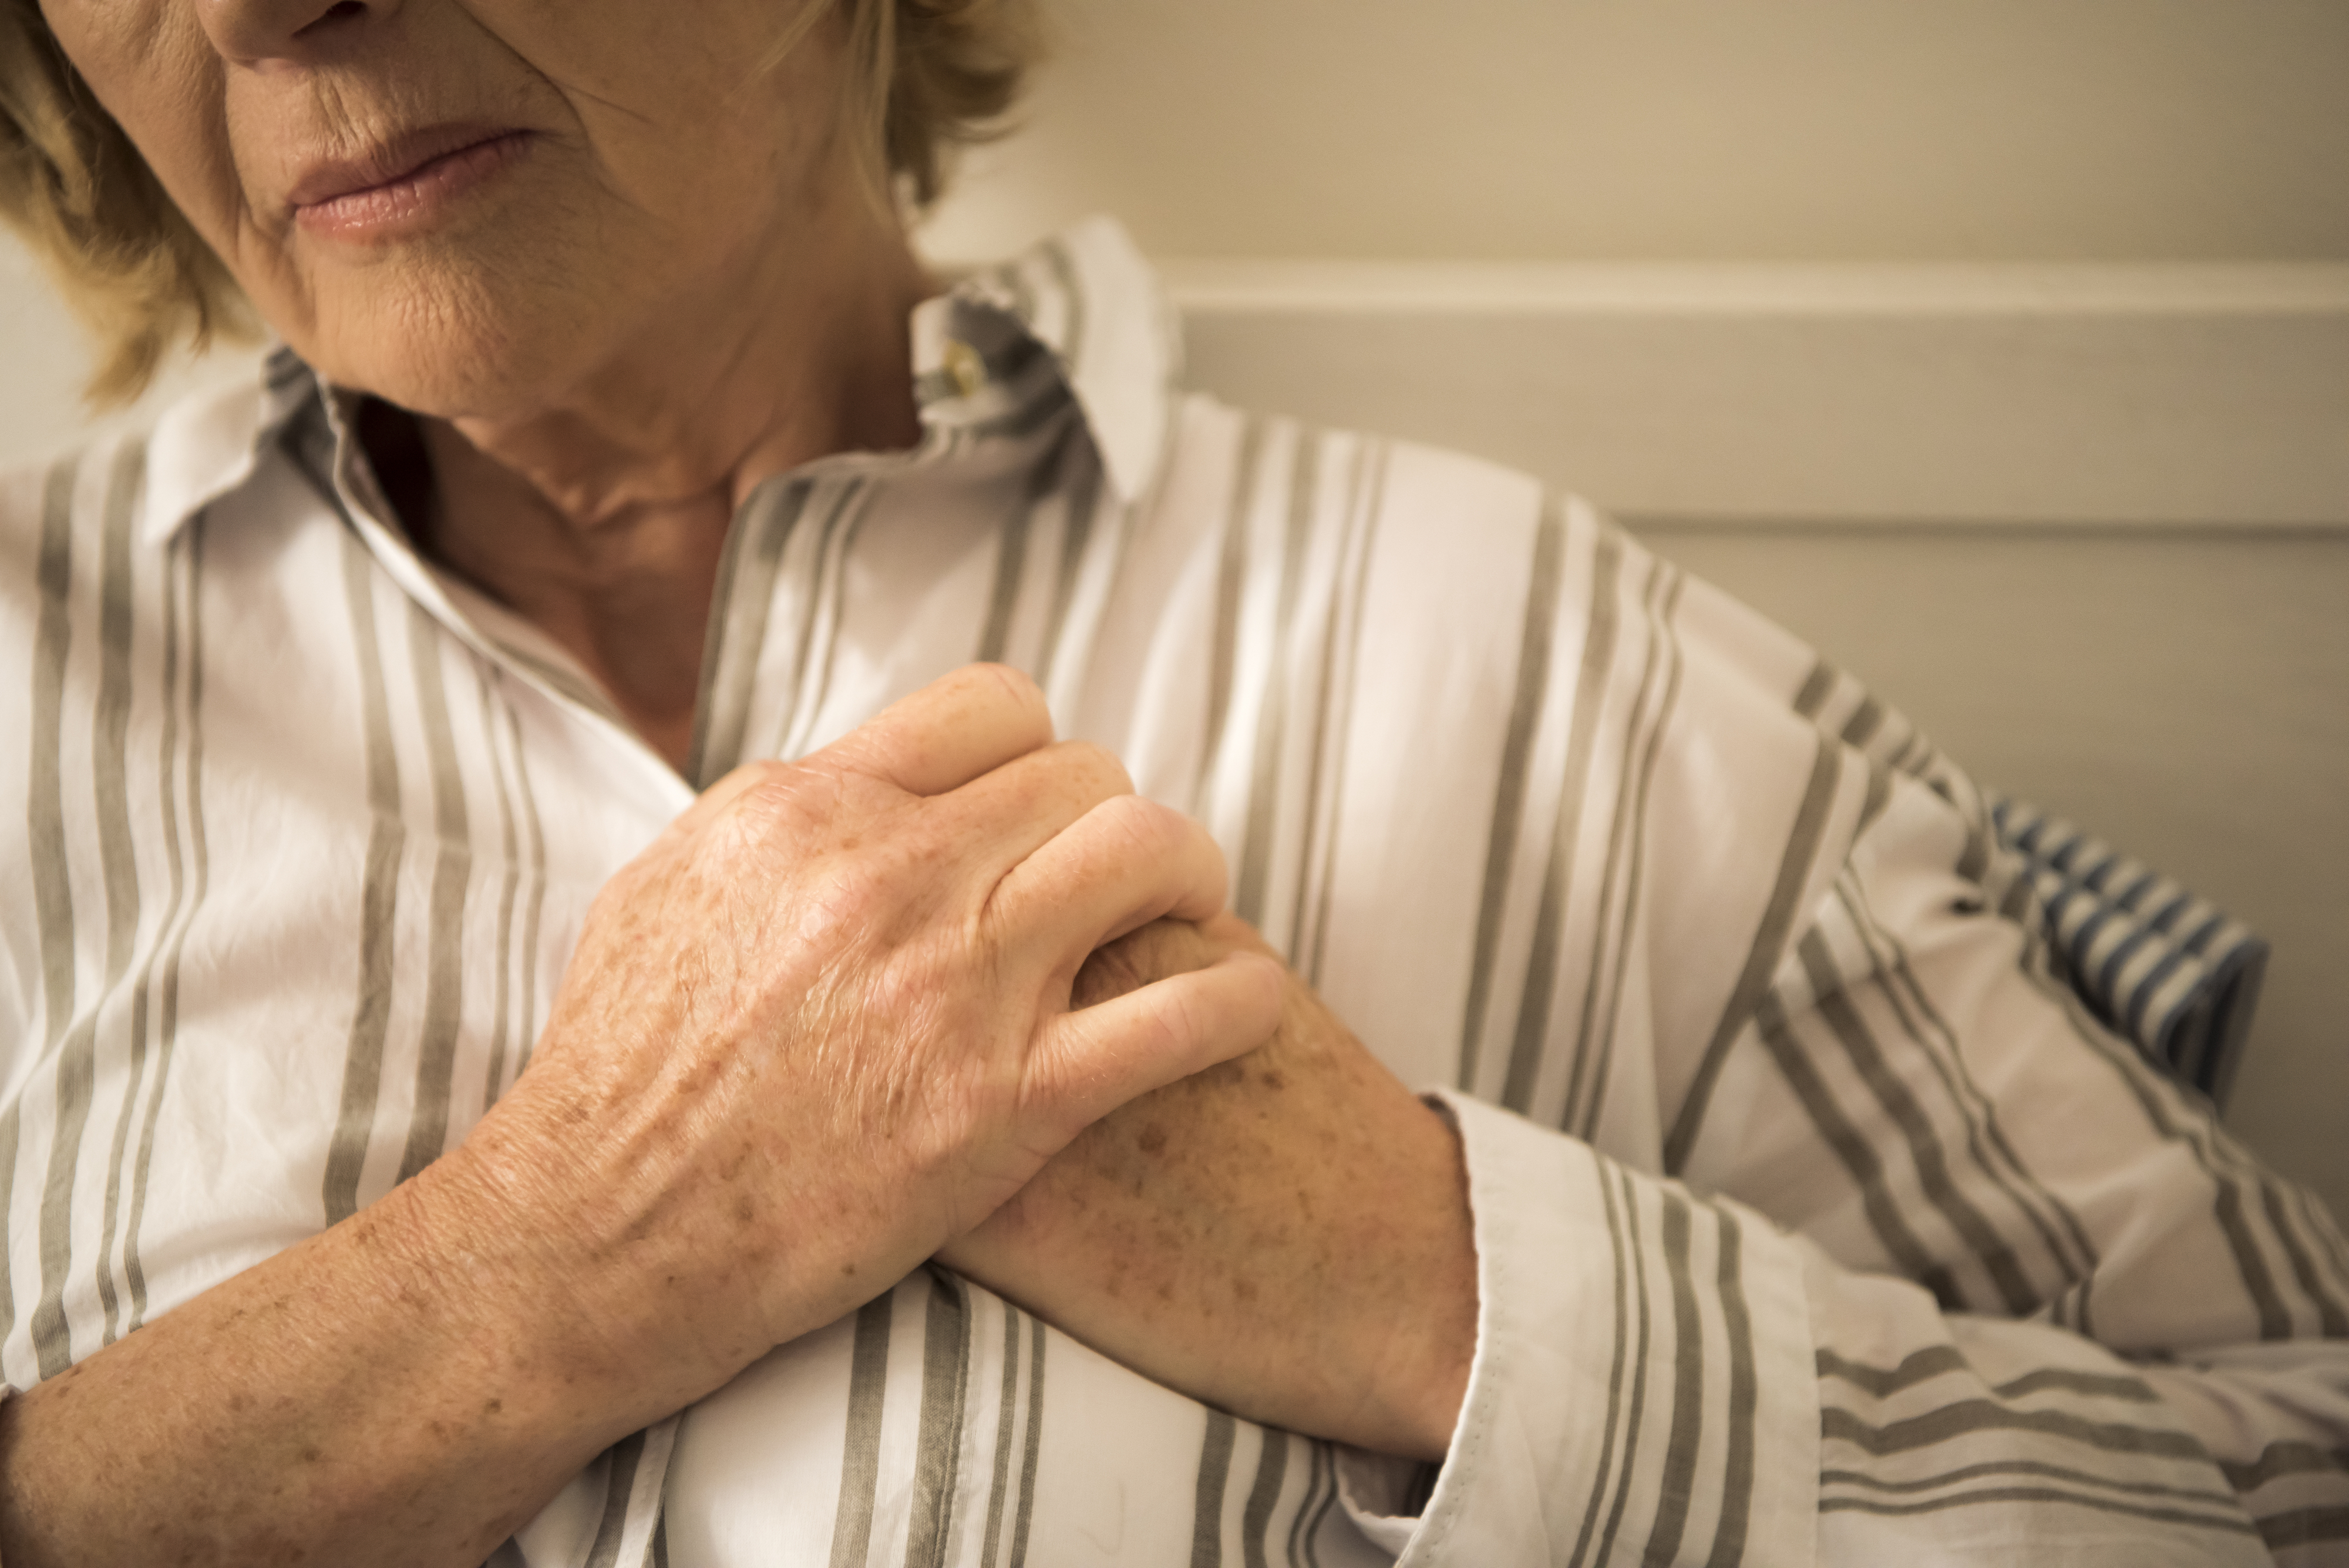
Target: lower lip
pixel 418 199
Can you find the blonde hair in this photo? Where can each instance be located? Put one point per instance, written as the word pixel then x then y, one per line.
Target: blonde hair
pixel 931 77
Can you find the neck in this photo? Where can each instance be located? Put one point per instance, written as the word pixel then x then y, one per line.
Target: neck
pixel 601 515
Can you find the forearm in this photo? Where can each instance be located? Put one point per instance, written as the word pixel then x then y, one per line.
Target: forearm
pixel 402 1389
pixel 1285 1236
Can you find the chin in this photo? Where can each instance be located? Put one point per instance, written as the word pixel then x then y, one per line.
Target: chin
pixel 458 342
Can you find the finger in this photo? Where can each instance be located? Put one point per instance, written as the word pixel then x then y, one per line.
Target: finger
pixel 1122 865
pixel 1150 952
pixel 1090 1062
pixel 949 732
pixel 1002 817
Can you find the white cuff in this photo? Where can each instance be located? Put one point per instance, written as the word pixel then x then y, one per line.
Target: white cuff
pixel 1643 1385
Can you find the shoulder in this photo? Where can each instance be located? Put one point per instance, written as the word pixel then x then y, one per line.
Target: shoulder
pixel 1465 553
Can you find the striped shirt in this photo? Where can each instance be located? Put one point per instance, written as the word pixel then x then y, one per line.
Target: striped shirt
pixel 1816 1221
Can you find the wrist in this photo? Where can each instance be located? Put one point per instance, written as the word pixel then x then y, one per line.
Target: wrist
pixel 499 1232
pixel 1423 1336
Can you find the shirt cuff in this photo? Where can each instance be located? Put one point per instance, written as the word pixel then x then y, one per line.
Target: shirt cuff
pixel 1643 1385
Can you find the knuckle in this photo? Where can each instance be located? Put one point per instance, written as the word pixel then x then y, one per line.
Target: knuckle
pixel 1014 686
pixel 1096 765
pixel 1158 831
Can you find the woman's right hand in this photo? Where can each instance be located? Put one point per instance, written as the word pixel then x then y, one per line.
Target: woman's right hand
pixel 821 1027
pixel 817 1029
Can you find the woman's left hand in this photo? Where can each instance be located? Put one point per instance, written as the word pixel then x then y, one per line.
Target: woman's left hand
pixel 1286 1236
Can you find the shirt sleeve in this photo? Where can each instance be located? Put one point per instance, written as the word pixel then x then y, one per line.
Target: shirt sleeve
pixel 1930 1267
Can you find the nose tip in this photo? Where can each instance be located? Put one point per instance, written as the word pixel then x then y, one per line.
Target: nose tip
pixel 251 31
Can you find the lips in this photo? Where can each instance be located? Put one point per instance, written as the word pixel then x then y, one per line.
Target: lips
pixel 400 182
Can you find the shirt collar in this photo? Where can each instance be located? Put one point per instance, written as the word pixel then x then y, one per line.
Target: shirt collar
pixel 1085 297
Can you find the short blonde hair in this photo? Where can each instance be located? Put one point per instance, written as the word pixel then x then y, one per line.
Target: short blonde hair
pixel 933 76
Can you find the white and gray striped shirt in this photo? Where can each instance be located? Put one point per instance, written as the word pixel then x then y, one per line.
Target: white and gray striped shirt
pixel 1814 1222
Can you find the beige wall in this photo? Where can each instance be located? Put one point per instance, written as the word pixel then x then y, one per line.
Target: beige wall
pixel 1818 129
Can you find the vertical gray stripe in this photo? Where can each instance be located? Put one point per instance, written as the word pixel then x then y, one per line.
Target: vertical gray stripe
pixel 1255 1520
pixel 1744 1400
pixel 1231 581
pixel 452 866
pixel 1081 505
pixel 748 569
pixel 1542 584
pixel 509 889
pixel 535 907
pixel 1207 1513
pixel 860 1460
pixel 77 1061
pixel 1316 1460
pixel 1358 599
pixel 1677 1484
pixel 1316 751
pixel 738 605
pixel 44 750
pixel 1312 1518
pixel 111 786
pixel 1628 848
pixel 190 547
pixel 1926 1155
pixel 1857 1156
pixel 1006 1409
pixel 1272 714
pixel 1534 1003
pixel 46 827
pixel 387 840
pixel 1769 941
pixel 938 1453
pixel 1609 1430
pixel 1046 484
pixel 1639 1405
pixel 619 1481
pixel 1010 565
pixel 830 588
pixel 1033 1447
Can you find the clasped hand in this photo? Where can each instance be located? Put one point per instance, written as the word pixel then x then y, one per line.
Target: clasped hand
pixel 821 1024
pixel 824 1028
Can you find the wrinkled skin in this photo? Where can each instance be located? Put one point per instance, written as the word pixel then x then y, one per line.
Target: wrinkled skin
pixel 1285 1235
pixel 819 1028
pixel 822 1025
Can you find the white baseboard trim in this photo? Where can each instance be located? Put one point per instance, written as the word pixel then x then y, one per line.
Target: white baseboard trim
pixel 2160 397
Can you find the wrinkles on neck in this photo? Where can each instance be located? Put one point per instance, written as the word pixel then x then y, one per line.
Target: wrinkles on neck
pixel 601 514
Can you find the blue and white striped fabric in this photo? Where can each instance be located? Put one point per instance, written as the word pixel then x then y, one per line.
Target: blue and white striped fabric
pixel 2169 970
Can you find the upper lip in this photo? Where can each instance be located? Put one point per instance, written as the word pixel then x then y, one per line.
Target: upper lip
pixel 327 179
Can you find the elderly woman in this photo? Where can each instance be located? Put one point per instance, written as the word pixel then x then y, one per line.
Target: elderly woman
pixel 532 927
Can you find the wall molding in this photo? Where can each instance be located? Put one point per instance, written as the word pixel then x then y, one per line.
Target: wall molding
pixel 2157 397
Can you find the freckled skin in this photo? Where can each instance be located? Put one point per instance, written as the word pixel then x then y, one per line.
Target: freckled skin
pixel 875 1052
pixel 1285 1235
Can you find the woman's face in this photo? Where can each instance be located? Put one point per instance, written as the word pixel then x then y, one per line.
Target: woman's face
pixel 468 206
